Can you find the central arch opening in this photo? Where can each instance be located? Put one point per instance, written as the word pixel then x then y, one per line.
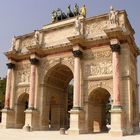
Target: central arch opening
pixel 58 95
pixel 99 110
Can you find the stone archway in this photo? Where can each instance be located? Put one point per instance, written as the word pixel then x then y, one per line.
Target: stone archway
pixel 98 114
pixel 21 106
pixel 55 103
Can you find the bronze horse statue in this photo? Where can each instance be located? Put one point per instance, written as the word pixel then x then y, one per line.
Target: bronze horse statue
pixel 76 10
pixel 61 15
pixel 58 15
pixel 54 16
pixel 69 12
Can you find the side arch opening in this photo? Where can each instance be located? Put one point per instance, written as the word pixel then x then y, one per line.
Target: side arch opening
pixel 21 106
pixel 99 105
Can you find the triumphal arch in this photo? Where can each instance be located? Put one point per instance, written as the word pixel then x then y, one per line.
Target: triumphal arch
pixel 97 54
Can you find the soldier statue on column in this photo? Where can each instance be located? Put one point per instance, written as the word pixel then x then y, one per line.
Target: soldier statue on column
pixel 36 37
pixel 13 44
pixel 77 26
pixel 113 16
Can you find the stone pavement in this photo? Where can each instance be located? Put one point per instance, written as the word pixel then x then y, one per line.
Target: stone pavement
pixel 18 134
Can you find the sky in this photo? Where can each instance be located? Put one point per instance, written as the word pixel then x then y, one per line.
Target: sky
pixel 19 17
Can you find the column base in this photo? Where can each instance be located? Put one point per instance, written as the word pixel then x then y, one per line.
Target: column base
pixel 7 118
pixel 116 122
pixel 31 119
pixel 116 132
pixel 76 121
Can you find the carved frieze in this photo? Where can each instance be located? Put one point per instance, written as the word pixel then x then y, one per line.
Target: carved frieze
pixel 23 73
pixel 27 42
pixel 106 54
pixel 98 69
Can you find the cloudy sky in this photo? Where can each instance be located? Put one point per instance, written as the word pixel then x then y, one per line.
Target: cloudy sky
pixel 23 16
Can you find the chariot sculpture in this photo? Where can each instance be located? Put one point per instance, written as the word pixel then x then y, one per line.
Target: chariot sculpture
pixel 58 15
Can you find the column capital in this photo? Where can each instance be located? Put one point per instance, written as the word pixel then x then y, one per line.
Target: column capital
pixel 34 61
pixel 10 65
pixel 77 53
pixel 115 48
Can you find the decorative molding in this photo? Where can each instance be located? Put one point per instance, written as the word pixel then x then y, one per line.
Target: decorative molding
pixel 106 54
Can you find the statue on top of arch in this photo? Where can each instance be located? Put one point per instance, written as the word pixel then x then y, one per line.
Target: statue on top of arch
pixel 13 44
pixel 113 17
pixel 83 11
pixel 36 37
pixel 58 15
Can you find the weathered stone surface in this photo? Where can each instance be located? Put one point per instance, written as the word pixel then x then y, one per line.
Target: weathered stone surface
pixel 93 67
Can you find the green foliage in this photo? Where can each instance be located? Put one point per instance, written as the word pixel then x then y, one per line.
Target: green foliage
pixel 70 96
pixel 2 91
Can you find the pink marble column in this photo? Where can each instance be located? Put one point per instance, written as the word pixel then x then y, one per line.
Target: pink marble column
pixel 76 98
pixel 116 74
pixel 8 85
pixel 34 62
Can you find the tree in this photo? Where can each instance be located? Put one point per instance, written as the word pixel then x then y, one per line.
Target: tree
pixel 2 91
pixel 70 96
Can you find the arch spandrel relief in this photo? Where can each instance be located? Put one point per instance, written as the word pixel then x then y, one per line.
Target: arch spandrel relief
pixel 47 64
pixel 107 84
pixel 22 90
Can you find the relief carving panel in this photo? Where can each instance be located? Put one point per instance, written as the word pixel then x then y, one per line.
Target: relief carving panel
pixel 58 36
pixel 27 42
pixel 101 64
pixel 23 73
pixel 47 64
pixel 99 69
pixel 96 28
